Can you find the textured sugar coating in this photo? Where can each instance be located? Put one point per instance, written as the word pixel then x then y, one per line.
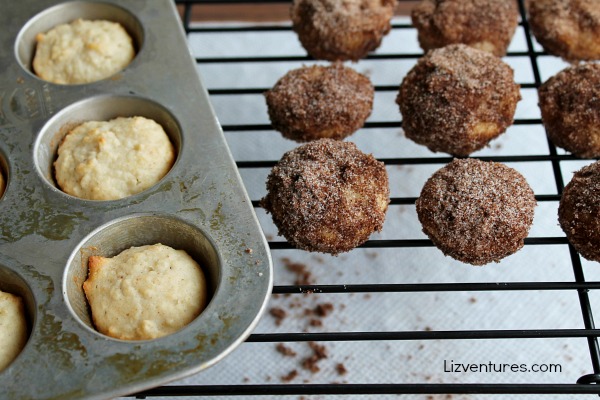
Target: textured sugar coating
pixel 476 212
pixel 327 196
pixel 109 160
pixel 316 102
pixel 579 211
pixel 456 99
pixel 82 52
pixel 484 24
pixel 567 28
pixel 340 30
pixel 144 292
pixel 13 328
pixel 570 106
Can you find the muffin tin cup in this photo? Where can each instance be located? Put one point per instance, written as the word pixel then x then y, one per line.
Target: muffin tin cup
pixel 139 230
pixel 66 12
pixel 47 236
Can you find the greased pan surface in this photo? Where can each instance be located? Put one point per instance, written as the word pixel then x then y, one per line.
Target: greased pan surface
pixel 46 236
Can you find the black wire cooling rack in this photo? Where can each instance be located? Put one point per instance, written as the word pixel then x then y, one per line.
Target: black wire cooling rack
pixel 586 384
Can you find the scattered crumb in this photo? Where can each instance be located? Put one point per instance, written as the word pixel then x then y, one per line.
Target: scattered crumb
pixel 341 369
pixel 290 376
pixel 319 353
pixel 303 274
pixel 317 323
pixel 319 259
pixel 473 300
pixel 279 314
pixel 249 251
pixel 323 309
pixel 286 351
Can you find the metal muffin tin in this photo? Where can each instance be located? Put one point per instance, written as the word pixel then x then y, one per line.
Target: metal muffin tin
pixel 47 236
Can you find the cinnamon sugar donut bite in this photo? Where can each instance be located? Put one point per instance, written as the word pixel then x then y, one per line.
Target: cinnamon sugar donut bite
pixel 314 102
pixel 475 211
pixel 484 24
pixel 327 196
pixel 456 99
pixel 341 30
pixel 570 106
pixel 579 209
pixel 569 29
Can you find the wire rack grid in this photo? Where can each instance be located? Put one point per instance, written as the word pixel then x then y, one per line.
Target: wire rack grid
pixel 411 358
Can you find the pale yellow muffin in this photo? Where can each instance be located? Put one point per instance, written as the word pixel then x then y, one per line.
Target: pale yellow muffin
pixel 109 160
pixel 82 51
pixel 144 292
pixel 13 328
pixel 2 184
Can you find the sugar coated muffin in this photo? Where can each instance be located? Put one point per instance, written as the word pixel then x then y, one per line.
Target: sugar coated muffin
pixel 82 51
pixel 579 209
pixel 476 212
pixel 314 102
pixel 327 196
pixel 567 28
pixel 570 106
pixel 484 24
pixel 13 328
pixel 109 160
pixel 341 29
pixel 144 292
pixel 456 99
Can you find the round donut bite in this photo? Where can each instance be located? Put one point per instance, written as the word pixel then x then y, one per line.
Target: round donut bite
pixel 327 196
pixel 476 212
pixel 579 209
pixel 314 102
pixel 487 25
pixel 569 29
pixel 456 99
pixel 570 106
pixel 337 30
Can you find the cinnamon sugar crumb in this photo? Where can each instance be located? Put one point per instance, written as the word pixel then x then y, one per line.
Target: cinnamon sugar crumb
pixel 286 351
pixel 279 314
